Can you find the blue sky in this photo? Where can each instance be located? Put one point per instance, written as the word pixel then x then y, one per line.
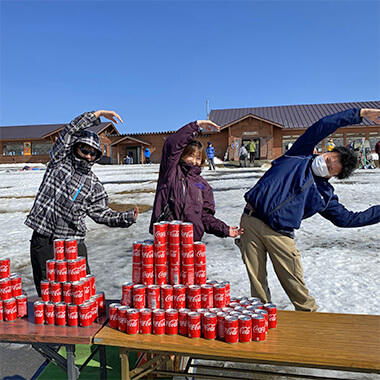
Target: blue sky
pixel 156 63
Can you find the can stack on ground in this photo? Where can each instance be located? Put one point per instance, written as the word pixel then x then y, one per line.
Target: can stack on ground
pixel 13 299
pixel 156 302
pixel 68 296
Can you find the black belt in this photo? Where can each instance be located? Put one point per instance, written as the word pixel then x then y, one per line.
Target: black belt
pixel 249 212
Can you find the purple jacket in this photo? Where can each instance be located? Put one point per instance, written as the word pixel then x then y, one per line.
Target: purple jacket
pixel 182 187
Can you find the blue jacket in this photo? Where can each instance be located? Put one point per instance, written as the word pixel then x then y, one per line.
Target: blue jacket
pixel 147 153
pixel 210 152
pixel 289 192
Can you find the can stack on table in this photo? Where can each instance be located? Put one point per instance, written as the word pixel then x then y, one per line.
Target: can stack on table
pixel 13 300
pixel 68 296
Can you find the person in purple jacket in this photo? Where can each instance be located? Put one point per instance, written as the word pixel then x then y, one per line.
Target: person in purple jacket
pixel 182 193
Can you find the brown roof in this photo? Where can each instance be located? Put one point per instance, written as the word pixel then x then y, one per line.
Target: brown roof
pixel 298 116
pixel 22 132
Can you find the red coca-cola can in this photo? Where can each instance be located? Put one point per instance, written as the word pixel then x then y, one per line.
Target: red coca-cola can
pixel 272 315
pixel 187 254
pixel 22 306
pixel 240 309
pixel 153 297
pixel 179 296
pixel 133 321
pixel 245 328
pixel 122 318
pixel 220 323
pixel 85 314
pixel 61 271
pixel 86 288
pixel 136 273
pixel 59 249
pixel 71 249
pixel 49 310
pixel 10 309
pixel 159 233
pixel 60 314
pixel 136 252
pixel 216 310
pixel 207 296
pixel 100 302
pixel 258 327
pixel 264 313
pixel 5 268
pixel 194 297
pixel 219 295
pixel 72 315
pixel 200 274
pixel 92 284
pixel 159 254
pixel 66 292
pixel 145 321
pixel 39 312
pixel 199 252
pixel 227 287
pixel 231 329
pixel 174 233
pixel 171 322
pixel 77 293
pixel 94 308
pixel 73 270
pixel 45 290
pixel 209 325
pixel 167 292
pixel 147 255
pixel 139 296
pixel 113 315
pixel 187 274
pixel 147 274
pixel 187 233
pixel 175 274
pixel 50 270
pixel 1 310
pixel 245 304
pixel 16 285
pixel 158 321
pixel 175 254
pixel 194 324
pixel 161 274
pixel 55 292
pixel 5 289
pixel 126 297
pixel 82 267
pixel 182 321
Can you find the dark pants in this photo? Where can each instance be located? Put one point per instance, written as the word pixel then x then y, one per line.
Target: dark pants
pixel 252 157
pixel 41 250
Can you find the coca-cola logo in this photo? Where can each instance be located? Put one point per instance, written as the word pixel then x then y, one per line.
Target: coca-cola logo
pixel 122 320
pixel 174 233
pixel 180 298
pixel 187 234
pixel 245 330
pixel 113 317
pixel 183 322
pixel 132 322
pixel 272 317
pixel 172 323
pixel 174 253
pixel 160 323
pixel 200 253
pixel 162 274
pixel 61 272
pixel 200 273
pixel 60 314
pixel 147 254
pixel 136 253
pixel 51 270
pixel 138 298
pixel 159 234
pixel 160 254
pixel 72 315
pixel 59 249
pixel 209 327
pixel 45 292
pixel 188 255
pixel 196 298
pixel 56 292
pixel 147 274
pixel 72 249
pixel 77 294
pixel 259 329
pixel 67 293
pixel 73 271
pixel 6 290
pixel 194 326
pixel 49 314
pixel 17 286
pixel 231 331
pixel 219 297
pixel 168 298
pixel 146 323
pixel 4 268
pixel 86 316
pixel 11 311
pixel 39 313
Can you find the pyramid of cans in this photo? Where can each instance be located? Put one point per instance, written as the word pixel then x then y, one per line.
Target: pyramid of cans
pixel 13 300
pixel 170 294
pixel 68 295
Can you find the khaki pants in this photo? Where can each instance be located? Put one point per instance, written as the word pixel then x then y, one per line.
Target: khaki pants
pixel 258 240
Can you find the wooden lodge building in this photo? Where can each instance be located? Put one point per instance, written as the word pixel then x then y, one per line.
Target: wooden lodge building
pixel 271 128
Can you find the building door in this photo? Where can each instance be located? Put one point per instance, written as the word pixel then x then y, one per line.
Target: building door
pixel 133 151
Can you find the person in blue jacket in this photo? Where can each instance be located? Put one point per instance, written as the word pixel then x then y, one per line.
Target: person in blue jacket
pixel 295 188
pixel 147 156
pixel 210 151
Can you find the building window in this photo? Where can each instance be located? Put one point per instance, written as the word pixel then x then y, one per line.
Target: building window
pixel 41 148
pixel 13 149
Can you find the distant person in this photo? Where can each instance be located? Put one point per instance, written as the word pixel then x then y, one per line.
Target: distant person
pixel 330 145
pixel 130 155
pixel 252 151
pixel 182 193
pixel 147 156
pixel 210 156
pixel 243 155
pixel 127 160
pixel 295 188
pixel 69 192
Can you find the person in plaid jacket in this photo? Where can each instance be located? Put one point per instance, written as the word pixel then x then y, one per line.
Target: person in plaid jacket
pixel 69 192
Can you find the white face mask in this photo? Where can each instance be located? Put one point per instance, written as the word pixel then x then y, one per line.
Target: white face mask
pixel 319 167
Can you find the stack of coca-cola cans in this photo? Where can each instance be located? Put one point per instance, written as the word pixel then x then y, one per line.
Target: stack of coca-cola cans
pixel 172 257
pixel 68 295
pixel 13 300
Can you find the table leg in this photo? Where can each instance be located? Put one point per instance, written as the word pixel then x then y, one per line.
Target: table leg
pixel 103 362
pixel 124 363
pixel 72 370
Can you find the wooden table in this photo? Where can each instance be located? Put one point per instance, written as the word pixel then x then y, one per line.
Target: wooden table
pixel 346 342
pixel 42 337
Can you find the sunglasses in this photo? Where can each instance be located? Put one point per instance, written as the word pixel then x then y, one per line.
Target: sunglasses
pixel 86 152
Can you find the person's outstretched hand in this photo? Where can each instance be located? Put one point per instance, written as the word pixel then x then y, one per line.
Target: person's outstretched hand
pixel 135 212
pixel 110 115
pixel 236 231
pixel 371 114
pixel 208 125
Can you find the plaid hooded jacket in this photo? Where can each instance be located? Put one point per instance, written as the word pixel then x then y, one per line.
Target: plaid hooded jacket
pixel 70 190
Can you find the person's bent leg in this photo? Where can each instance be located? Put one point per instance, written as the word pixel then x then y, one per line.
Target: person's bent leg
pixel 287 264
pixel 254 257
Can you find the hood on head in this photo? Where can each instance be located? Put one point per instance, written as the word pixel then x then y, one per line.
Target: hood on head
pixel 89 138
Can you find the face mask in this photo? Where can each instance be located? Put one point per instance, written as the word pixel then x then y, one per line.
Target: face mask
pixel 319 167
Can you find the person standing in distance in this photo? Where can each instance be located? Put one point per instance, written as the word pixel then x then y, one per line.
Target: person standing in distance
pixel 295 188
pixel 69 192
pixel 210 156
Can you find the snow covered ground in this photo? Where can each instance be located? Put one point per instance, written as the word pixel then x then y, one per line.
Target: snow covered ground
pixel 342 266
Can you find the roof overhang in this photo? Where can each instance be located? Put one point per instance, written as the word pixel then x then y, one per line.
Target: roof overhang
pixel 133 139
pixel 250 115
